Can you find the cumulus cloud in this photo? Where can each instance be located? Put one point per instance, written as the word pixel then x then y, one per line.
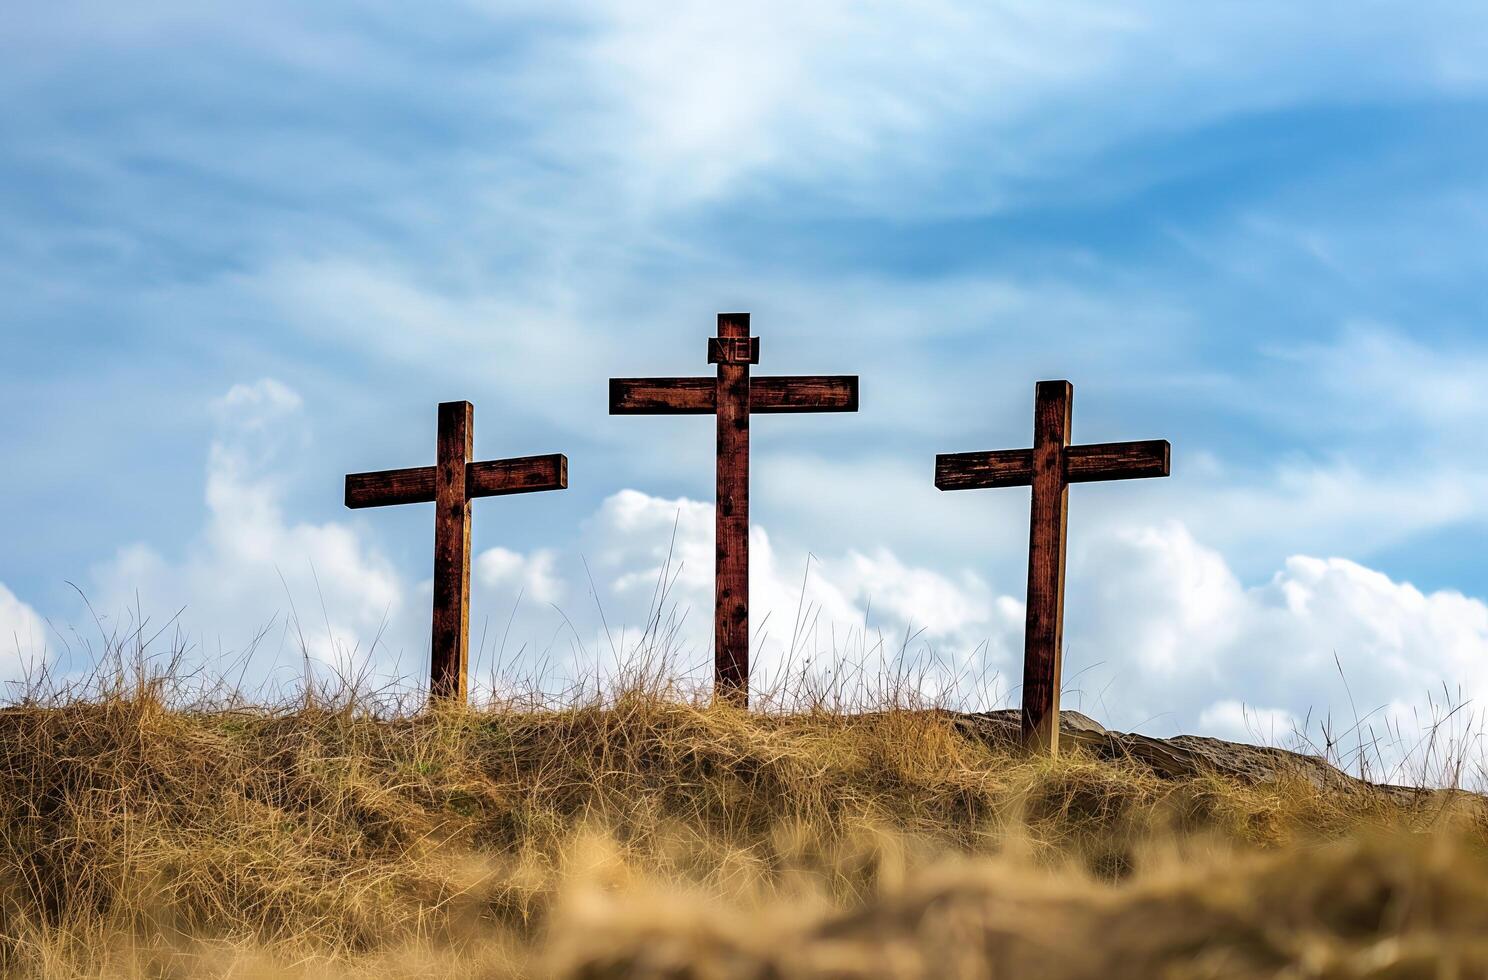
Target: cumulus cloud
pixel 315 589
pixel 831 611
pixel 1173 641
pixel 534 574
pixel 22 638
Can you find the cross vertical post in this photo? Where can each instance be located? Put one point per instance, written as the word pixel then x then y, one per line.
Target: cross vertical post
pixel 450 485
pixel 731 541
pixel 1048 524
pixel 1049 468
pixel 450 649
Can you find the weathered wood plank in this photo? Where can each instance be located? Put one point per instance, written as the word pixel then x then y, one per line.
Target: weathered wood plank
pixel 803 393
pixel 663 396
pixel 522 474
pixel 1118 461
pixel 449 647
pixel 385 488
pixel 1044 632
pixel 983 471
pixel 731 580
pixel 699 396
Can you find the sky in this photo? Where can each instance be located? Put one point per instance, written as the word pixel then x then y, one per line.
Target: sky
pixel 245 251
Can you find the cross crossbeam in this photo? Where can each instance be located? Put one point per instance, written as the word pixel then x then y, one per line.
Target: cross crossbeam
pixel 699 396
pixel 733 396
pixel 1097 462
pixel 493 478
pixel 450 485
pixel 1049 468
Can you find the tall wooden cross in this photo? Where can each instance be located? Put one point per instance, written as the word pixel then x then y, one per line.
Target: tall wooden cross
pixel 1049 467
pixel 733 397
pixel 450 485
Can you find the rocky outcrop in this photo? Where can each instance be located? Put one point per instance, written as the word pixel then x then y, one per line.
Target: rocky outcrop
pixel 1180 757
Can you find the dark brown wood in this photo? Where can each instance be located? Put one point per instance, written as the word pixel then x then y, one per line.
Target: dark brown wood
pixel 388 487
pixel 1082 464
pixel 984 471
pixel 731 542
pixel 524 474
pixel 804 393
pixel 451 484
pixel 1118 461
pixel 699 396
pixel 450 645
pixel 1049 467
pixel 663 396
pixel 733 396
pixel 1046 540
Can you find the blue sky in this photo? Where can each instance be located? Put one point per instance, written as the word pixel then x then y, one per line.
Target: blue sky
pixel 246 252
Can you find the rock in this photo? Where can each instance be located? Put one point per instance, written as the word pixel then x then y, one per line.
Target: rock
pixel 1182 757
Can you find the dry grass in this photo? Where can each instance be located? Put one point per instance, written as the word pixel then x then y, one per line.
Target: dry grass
pixel 149 828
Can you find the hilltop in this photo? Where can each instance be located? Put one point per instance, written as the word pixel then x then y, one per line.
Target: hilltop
pixel 648 836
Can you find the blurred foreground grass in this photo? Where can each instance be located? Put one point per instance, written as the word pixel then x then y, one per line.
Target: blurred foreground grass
pixel 644 835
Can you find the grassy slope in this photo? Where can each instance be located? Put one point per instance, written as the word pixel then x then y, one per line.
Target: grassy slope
pixel 653 838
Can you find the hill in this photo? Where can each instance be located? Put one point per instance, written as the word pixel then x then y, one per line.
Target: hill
pixel 646 836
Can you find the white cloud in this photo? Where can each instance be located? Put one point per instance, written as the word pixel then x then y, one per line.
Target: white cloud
pixel 1240 722
pixel 1386 379
pixel 1171 638
pixel 250 568
pixel 533 575
pixel 23 638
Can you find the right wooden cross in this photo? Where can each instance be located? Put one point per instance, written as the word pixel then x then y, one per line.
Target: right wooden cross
pixel 1049 467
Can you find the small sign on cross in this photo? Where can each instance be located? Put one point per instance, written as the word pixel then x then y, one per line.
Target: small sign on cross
pixel 1049 467
pixel 733 396
pixel 450 485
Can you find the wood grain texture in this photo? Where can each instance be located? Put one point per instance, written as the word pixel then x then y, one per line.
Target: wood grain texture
pixel 1118 461
pixel 731 581
pixel 767 396
pixel 449 645
pixel 803 393
pixel 663 396
pixel 984 471
pixel 522 474
pixel 1044 634
pixel 385 488
pixel 1082 464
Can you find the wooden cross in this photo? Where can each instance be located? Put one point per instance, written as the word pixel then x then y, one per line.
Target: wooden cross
pixel 733 397
pixel 450 485
pixel 1049 467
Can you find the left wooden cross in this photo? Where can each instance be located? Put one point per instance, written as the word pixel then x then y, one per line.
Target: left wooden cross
pixel 450 484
